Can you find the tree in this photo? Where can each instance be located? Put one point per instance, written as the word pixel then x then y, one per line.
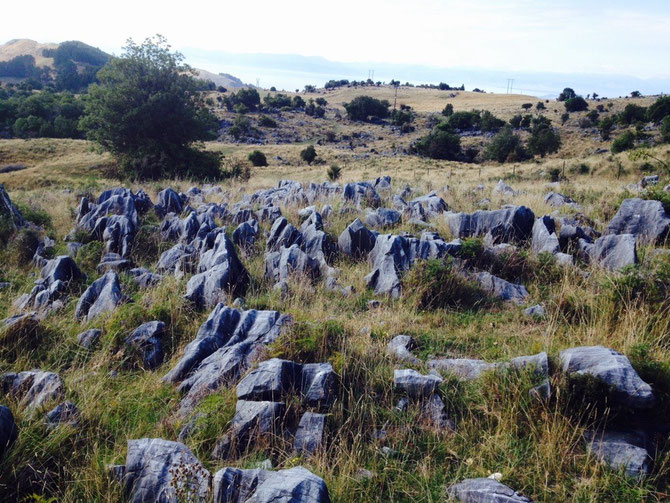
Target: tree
pixel 448 110
pixel 576 104
pixel 568 93
pixel 636 94
pixel 362 108
pixel 308 154
pixel 148 113
pixel 544 140
pixel 665 129
pixel 439 144
pixel 527 106
pixel 659 109
pixel 540 106
pixel 605 125
pixel 625 141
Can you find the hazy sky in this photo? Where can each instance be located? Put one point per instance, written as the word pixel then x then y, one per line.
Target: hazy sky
pixel 601 36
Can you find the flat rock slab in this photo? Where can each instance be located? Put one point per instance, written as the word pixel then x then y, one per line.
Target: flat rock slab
pixel 647 220
pixel 614 369
pixel 235 485
pixel 620 450
pixel 484 490
pixel 414 384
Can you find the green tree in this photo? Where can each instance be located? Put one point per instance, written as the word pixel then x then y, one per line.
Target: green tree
pixel 625 141
pixel 258 158
pixel 659 109
pixel 308 154
pixel 543 140
pixel 576 104
pixel 148 113
pixel 439 144
pixel 505 146
pixel 362 108
pixel 448 110
pixel 567 94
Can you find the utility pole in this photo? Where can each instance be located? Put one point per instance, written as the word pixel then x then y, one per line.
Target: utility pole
pixel 510 85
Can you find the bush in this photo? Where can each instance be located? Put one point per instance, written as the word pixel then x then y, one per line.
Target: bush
pixel 464 121
pixel 631 114
pixel 435 284
pixel 544 140
pixel 625 141
pixel 515 121
pixel 665 129
pixel 567 94
pixel 439 144
pixel 148 113
pixel 448 110
pixel 258 159
pixel 527 106
pixel 362 108
pixel 489 122
pixel 248 97
pixel 308 154
pixel 565 117
pixel 505 146
pixel 265 121
pixel 605 125
pixel 540 106
pixel 658 110
pixel 401 117
pixel 576 104
pixel 334 172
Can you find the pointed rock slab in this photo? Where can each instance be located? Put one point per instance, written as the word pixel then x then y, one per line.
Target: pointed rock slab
pixel 544 236
pixel 647 220
pixel 309 438
pixel 282 234
pixel 144 277
pixel 272 380
pixel 8 430
pixel 147 339
pixel 614 251
pixel 401 346
pixel 612 368
pixel 157 471
pixel 295 485
pixel 431 205
pixel 89 338
pixel 62 268
pixel 512 223
pixel 391 256
pixel 9 212
pixel 415 385
pixel 169 202
pixel 104 295
pixel 501 289
pixel 35 388
pixel 63 413
pixel 557 200
pixel 178 259
pixel 224 348
pixel 318 385
pixel 356 240
pixel 383 218
pixel 620 450
pixel 485 490
pixel 282 264
pixel 434 412
pixel 251 421
pixel 361 194
pixel 245 234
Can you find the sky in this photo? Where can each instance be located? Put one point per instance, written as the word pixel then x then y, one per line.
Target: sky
pixel 594 36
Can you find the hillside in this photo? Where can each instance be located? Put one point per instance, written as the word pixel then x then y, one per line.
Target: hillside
pixel 22 47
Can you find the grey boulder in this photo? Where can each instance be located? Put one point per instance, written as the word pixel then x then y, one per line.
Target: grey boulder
pixel 147 339
pixel 104 295
pixel 34 388
pixel 8 431
pixel 620 450
pixel 415 385
pixel 484 490
pixel 88 338
pixel 647 220
pixel 356 240
pixel 401 347
pixel 271 380
pixel 309 437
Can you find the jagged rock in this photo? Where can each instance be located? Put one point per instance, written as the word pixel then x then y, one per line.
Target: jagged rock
pixel 572 230
pixel 538 363
pixel 463 368
pixel 35 388
pixel 283 234
pixel 356 240
pixel 390 257
pixel 89 338
pixel 144 277
pixel 613 251
pixel 501 289
pixel 435 412
pixel 620 450
pixel 504 189
pixel 318 385
pixel 309 437
pixel 414 384
pixel 544 236
pixel 220 272
pixel 484 490
pixel 114 262
pixel 8 430
pixel 401 347
pixel 102 296
pixel 557 200
pixel 306 212
pixel 179 258
pixel 22 329
pixel 234 485
pixel 313 219
pixel 225 346
pixel 9 212
pixel 63 413
pixel 537 311
pixel 271 380
pixel 647 220
pixel 326 211
pixel 157 470
pixel 383 218
pixel 268 213
pixel 512 223
pixel 251 421
pixel 245 234
pixel 148 340
pixel 614 369
pixel 169 202
pixel 280 265
pixel 361 194
pixel 431 205
pixel 61 268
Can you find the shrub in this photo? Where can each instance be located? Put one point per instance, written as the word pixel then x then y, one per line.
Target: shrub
pixel 631 114
pixel 464 121
pixel 540 106
pixel 362 108
pixel 527 106
pixel 576 104
pixel 658 110
pixel 401 117
pixel 505 146
pixel 439 144
pixel 258 158
pixel 435 284
pixel 334 172
pixel 448 110
pixel 248 97
pixel 308 154
pixel 298 102
pixel 665 129
pixel 564 117
pixel 148 113
pixel 593 116
pixel 605 125
pixel 515 121
pixel 489 122
pixel 544 140
pixel 625 141
pixel 265 121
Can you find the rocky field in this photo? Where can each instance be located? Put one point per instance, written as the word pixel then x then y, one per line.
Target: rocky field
pixel 414 332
